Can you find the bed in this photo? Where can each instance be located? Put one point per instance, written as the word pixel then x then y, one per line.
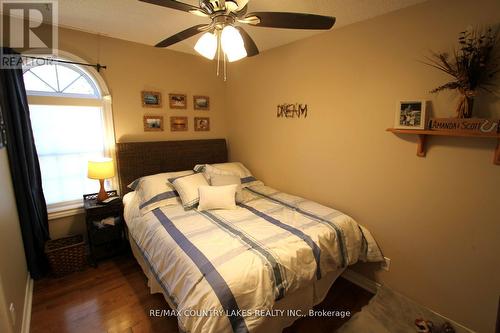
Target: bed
pixel 256 268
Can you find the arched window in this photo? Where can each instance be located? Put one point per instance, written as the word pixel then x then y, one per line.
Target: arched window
pixel 61 80
pixel 72 123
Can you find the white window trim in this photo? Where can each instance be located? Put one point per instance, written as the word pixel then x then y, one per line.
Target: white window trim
pixel 59 95
pixel 71 208
pixel 65 209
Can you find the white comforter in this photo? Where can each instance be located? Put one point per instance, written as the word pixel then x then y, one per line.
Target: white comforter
pixel 223 269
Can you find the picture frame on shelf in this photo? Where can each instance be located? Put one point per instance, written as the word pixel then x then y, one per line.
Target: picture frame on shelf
pixel 177 101
pixel 411 114
pixel 201 124
pixel 151 99
pixel 153 123
pixel 178 124
pixel 201 103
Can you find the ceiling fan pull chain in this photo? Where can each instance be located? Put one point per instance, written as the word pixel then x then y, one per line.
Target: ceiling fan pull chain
pixel 218 51
pixel 225 68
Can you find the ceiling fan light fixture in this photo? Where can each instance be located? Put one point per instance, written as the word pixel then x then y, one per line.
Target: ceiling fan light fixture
pixel 207 45
pixel 232 44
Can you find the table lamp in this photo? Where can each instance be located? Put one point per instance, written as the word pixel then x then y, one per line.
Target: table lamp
pixel 101 169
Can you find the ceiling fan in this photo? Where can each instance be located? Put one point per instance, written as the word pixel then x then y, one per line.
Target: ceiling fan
pixel 222 31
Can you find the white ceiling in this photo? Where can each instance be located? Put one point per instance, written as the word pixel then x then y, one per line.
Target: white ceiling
pixel 148 24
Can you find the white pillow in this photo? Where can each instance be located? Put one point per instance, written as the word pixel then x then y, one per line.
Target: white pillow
pixel 210 171
pixel 217 197
pixel 233 168
pixel 222 180
pixel 155 191
pixel 187 187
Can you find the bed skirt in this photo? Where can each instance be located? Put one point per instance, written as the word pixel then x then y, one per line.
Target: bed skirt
pixel 303 299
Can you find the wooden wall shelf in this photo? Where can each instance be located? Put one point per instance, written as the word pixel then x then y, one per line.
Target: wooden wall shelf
pixel 423 134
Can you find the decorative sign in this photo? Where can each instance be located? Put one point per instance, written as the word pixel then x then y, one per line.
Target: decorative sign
pixel 292 110
pixel 477 125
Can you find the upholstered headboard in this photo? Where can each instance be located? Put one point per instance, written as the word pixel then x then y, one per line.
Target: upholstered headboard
pixel 138 159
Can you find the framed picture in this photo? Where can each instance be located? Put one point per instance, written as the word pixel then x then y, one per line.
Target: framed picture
pixel 178 124
pixel 153 123
pixel 201 124
pixel 201 102
pixel 177 101
pixel 151 99
pixel 411 115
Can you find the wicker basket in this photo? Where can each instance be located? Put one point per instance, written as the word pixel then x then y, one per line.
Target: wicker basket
pixel 66 255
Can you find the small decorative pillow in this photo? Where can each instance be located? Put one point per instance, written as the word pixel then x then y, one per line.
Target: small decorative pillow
pixel 222 180
pixel 154 191
pixel 217 197
pixel 187 187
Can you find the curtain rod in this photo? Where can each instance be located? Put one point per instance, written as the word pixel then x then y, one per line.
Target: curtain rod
pixel 96 66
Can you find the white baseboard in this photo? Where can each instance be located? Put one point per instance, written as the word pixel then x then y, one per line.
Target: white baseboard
pixel 28 299
pixel 361 281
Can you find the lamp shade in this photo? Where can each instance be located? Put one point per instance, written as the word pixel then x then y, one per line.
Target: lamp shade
pixel 232 44
pixel 102 168
pixel 207 45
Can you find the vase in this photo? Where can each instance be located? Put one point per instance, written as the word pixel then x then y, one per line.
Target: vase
pixel 465 104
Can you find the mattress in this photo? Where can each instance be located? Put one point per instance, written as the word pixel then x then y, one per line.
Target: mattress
pixel 233 270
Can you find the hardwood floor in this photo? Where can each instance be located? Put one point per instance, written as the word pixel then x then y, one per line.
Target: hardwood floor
pixel 114 297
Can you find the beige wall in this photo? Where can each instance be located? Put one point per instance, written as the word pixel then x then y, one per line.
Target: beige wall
pixel 133 67
pixel 13 269
pixel 435 217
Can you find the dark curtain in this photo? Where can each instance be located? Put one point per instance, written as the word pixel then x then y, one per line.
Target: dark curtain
pixel 25 169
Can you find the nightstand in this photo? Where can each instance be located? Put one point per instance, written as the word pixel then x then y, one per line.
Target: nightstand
pixel 105 239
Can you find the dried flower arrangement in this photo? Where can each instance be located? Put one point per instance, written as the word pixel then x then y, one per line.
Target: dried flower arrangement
pixel 473 66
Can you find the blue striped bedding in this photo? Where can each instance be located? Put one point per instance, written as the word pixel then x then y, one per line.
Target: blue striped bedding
pixel 238 262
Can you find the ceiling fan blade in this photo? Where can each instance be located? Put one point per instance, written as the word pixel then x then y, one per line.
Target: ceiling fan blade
pixel 185 34
pixel 242 11
pixel 172 4
pixel 199 12
pixel 250 46
pixel 291 20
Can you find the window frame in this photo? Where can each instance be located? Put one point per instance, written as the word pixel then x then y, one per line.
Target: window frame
pixel 83 74
pixel 101 99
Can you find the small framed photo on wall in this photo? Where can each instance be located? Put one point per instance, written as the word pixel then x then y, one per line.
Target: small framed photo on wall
pixel 411 115
pixel 153 123
pixel 178 124
pixel 151 99
pixel 177 101
pixel 201 124
pixel 201 103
